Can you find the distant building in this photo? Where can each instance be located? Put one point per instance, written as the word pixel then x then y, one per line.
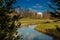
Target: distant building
pixel 28 13
pixel 40 15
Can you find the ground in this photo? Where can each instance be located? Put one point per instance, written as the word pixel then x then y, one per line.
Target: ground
pixel 31 21
pixel 43 25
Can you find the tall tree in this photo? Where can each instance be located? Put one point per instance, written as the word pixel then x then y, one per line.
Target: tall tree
pixel 55 5
pixel 7 23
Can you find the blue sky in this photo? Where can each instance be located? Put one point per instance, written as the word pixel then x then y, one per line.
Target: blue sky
pixel 34 5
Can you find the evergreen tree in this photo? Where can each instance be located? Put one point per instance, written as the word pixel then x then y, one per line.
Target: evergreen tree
pixel 55 6
pixel 7 23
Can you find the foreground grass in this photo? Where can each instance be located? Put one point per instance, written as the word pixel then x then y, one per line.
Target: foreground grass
pixel 49 29
pixel 48 25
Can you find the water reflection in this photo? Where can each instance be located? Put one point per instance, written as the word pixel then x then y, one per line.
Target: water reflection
pixel 30 34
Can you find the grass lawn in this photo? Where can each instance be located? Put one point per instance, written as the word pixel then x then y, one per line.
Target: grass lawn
pixel 40 22
pixel 49 29
pixel 32 21
pixel 48 25
pixel 28 19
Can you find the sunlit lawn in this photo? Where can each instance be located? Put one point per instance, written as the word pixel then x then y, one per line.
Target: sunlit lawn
pixel 48 25
pixel 49 29
pixel 32 21
pixel 40 22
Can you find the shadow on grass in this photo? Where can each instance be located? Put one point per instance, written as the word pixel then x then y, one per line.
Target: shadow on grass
pixel 55 33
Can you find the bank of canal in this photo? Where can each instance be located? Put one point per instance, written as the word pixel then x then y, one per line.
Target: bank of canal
pixel 29 33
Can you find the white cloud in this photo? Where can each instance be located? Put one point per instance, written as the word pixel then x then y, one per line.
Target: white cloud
pixel 49 2
pixel 37 6
pixel 44 4
pixel 31 9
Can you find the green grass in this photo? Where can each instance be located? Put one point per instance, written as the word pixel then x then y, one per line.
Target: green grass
pixel 31 21
pixel 28 19
pixel 48 25
pixel 49 29
pixel 39 22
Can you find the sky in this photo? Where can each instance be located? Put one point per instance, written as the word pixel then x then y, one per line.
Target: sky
pixel 34 5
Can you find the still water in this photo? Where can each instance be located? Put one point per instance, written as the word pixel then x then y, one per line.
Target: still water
pixel 29 33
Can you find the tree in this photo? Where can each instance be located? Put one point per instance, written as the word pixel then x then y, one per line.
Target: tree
pixel 55 5
pixel 32 15
pixel 7 23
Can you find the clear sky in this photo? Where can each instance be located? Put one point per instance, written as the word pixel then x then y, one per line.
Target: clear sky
pixel 34 5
